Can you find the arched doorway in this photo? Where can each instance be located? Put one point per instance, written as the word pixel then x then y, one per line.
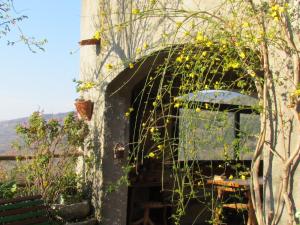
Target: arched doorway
pixel 151 127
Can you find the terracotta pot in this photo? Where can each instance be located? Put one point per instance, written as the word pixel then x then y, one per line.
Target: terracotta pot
pixel 85 109
pixel 92 41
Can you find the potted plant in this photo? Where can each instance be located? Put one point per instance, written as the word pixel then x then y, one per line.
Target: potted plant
pixel 92 41
pixel 84 108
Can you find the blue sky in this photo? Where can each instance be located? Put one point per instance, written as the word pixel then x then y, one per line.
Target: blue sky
pixel 41 81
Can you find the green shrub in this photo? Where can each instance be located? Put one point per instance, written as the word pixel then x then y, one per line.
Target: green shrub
pixel 8 189
pixel 45 173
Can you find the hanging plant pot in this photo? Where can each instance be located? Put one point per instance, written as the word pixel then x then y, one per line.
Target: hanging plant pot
pixel 119 151
pixel 92 41
pixel 84 108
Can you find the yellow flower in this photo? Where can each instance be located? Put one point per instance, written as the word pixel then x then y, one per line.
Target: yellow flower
pixel 131 109
pixel 160 147
pixel 234 65
pixel 206 105
pixel 145 45
pixel 275 7
pixel 97 35
pixel 245 25
pixel 223 42
pixel 151 155
pixel 138 50
pixel 87 85
pixel 209 43
pixel 192 75
pixel 152 129
pixel 179 59
pixel 109 66
pixel 204 53
pixel 252 73
pixel 198 110
pixel 158 97
pixel 297 92
pixel 217 85
pixel 274 14
pixel 199 36
pixel 230 177
pixel 130 65
pixel 243 177
pixel 206 87
pixel 135 11
pixel 242 55
pixel 127 114
pixel 177 105
pixel 154 104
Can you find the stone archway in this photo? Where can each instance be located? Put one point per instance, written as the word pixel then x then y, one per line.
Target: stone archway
pixel 116 129
pixel 117 100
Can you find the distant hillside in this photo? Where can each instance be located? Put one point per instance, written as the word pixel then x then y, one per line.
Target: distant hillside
pixel 8 134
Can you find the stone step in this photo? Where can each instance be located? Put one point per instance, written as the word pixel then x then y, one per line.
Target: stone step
pixel 91 221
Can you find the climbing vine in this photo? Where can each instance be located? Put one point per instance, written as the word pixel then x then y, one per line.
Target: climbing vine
pixel 254 50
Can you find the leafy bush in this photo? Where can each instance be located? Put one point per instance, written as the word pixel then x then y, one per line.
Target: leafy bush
pixel 8 189
pixel 52 146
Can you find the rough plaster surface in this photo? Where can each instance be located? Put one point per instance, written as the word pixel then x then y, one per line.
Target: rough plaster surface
pixel 280 140
pixel 108 123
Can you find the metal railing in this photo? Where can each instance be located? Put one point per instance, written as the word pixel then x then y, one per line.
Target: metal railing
pixel 28 157
pixel 12 158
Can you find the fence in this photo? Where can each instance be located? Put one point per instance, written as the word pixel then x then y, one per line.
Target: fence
pixel 22 157
pixel 9 160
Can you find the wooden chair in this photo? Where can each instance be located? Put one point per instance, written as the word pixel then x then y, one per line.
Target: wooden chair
pixel 146 220
pixel 234 187
pixel 24 211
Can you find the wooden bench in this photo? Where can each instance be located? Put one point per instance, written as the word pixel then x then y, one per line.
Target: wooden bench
pixel 24 211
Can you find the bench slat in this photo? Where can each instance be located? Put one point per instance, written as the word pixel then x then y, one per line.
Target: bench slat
pixel 32 221
pixel 21 217
pixel 30 210
pixel 47 223
pixel 22 210
pixel 21 205
pixel 19 199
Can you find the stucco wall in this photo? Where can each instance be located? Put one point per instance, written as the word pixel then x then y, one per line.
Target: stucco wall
pixel 118 48
pixel 280 141
pixel 108 124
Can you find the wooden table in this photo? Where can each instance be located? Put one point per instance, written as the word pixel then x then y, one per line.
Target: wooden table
pixel 234 186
